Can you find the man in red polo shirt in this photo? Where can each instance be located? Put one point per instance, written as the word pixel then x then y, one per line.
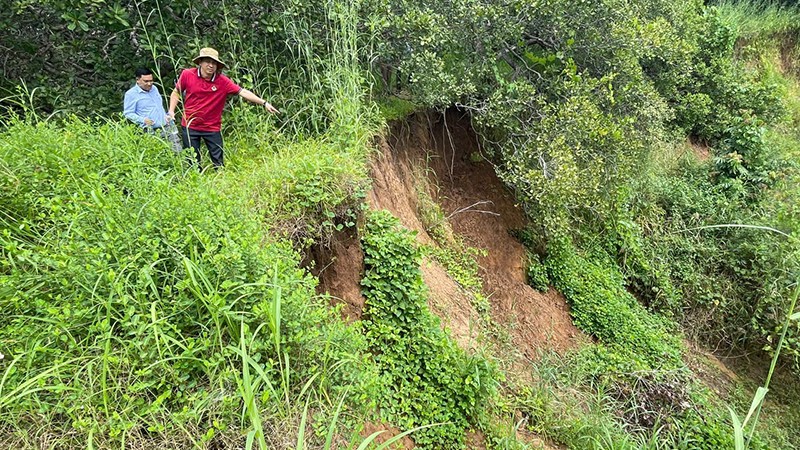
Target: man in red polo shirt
pixel 204 90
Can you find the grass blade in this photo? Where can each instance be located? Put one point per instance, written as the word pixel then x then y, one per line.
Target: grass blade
pixel 301 434
pixel 394 439
pixel 334 420
pixel 369 439
pixel 738 431
pixel 761 392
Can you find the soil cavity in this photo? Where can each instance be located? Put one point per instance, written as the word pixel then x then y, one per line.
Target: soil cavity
pixel 482 212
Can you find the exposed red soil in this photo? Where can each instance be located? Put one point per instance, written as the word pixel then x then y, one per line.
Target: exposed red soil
pixel 540 321
pixel 481 211
pixel 393 172
pixel 339 267
pixel 449 301
pixel 475 440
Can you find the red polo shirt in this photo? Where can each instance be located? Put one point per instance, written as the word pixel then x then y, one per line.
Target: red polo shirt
pixel 203 99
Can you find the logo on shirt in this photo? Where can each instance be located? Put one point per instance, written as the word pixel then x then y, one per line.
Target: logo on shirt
pixel 213 89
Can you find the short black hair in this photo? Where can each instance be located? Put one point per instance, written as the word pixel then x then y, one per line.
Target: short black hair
pixel 142 71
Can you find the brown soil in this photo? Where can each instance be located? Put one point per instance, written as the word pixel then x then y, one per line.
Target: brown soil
pixel 480 211
pixel 394 188
pixel 406 443
pixel 710 370
pixel 539 321
pixel 449 301
pixel 475 440
pixel 339 267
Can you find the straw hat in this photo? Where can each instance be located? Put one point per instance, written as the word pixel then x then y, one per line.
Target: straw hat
pixel 209 52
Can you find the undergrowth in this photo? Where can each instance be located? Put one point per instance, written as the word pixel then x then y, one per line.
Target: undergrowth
pixel 425 377
pixel 130 288
pixel 448 248
pixel 145 305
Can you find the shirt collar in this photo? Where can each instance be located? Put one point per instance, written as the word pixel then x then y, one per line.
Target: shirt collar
pixel 213 77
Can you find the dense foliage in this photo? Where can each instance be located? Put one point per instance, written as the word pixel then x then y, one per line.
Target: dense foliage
pixel 425 378
pixel 578 103
pixel 601 307
pixel 584 107
pixel 79 56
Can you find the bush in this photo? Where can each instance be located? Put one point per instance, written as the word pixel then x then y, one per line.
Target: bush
pixel 537 273
pixel 723 284
pixel 600 305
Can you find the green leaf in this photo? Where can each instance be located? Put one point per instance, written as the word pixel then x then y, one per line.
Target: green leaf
pixel 301 434
pixel 761 392
pixel 738 431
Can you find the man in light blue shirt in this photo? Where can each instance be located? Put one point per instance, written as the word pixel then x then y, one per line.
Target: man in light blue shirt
pixel 143 104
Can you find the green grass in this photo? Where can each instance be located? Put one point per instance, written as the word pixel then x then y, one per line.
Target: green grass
pixel 759 18
pixel 138 296
pixel 147 306
pixel 562 407
pixel 395 108
pixel 151 306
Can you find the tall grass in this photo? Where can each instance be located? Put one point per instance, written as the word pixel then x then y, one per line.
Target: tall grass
pixel 144 306
pixel 155 338
pixel 159 53
pixel 311 68
pixel 350 112
pixel 744 434
pixel 327 61
pixel 560 406
pixel 753 18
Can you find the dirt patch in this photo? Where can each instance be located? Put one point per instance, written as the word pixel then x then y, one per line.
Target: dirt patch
pixel 475 440
pixel 393 186
pixel 339 267
pixel 482 212
pixel 710 370
pixel 449 301
pixel 394 189
pixel 388 432
pixel 699 149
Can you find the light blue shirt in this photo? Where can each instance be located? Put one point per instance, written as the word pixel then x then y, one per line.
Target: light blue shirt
pixel 140 104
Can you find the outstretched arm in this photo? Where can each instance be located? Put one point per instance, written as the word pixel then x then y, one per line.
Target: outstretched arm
pixel 253 98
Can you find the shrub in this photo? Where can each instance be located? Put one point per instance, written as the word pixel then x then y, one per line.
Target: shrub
pixel 600 305
pixel 537 273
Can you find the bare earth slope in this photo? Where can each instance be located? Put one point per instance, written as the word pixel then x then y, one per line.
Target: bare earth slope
pixel 444 149
pixel 440 154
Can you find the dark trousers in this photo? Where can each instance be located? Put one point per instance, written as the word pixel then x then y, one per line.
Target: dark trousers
pixel 213 140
